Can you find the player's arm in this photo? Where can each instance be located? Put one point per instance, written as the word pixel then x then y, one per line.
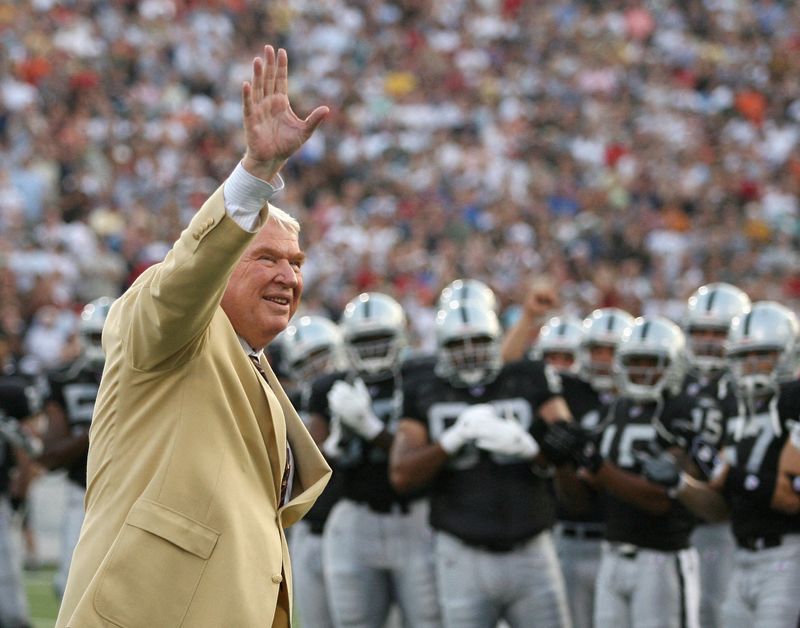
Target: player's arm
pixel 630 487
pixel 61 447
pixel 787 486
pixel 558 442
pixel 541 299
pixel 413 459
pixel 555 409
pixel 705 499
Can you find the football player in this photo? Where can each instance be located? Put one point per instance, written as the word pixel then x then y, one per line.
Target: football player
pixel 588 393
pixel 707 320
pixel 69 407
pixel 755 483
pixel 648 572
pixel 558 342
pixel 19 404
pixel 311 348
pixel 377 545
pixel 466 436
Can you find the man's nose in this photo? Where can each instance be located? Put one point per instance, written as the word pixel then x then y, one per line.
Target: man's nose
pixel 285 273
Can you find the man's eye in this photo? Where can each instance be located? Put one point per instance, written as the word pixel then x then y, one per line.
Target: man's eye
pixel 297 266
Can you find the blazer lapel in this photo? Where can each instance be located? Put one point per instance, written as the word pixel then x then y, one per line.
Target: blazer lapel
pixel 278 425
pixel 311 471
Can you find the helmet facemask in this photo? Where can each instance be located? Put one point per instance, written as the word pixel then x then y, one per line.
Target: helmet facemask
pixel 705 349
pixel 470 361
pixel 598 372
pixel 644 377
pixel 318 362
pixel 375 355
pixel 755 372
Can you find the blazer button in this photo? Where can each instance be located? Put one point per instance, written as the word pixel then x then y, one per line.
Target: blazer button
pixel 277 578
pixel 196 235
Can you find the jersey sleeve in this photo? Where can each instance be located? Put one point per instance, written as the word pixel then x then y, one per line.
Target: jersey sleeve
pixel 543 380
pixel 318 399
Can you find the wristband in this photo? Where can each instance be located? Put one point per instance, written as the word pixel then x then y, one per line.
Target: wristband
pixel 675 491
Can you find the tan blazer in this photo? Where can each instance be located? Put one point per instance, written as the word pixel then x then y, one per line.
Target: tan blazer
pixel 187 451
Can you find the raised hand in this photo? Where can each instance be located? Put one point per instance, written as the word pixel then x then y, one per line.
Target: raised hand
pixel 273 132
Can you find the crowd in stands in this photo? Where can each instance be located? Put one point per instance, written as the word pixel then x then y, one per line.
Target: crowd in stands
pixel 632 150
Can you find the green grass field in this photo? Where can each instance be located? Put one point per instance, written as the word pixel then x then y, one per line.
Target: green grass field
pixel 41 599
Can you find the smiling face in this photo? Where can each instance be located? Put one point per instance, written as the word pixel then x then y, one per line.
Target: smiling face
pixel 264 290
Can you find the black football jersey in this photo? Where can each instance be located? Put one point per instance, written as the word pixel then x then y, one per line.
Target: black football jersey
pixel 364 468
pixel 714 402
pixel 588 408
pixel 316 517
pixel 74 388
pixel 483 498
pixel 753 445
pixel 7 463
pixel 634 426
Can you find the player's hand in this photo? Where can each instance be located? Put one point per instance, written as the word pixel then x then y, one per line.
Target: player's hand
pixel 15 435
pixel 660 467
pixel 542 298
pixel 353 405
pixel 273 132
pixel 507 438
pixel 332 446
pixel 466 428
pixel 588 457
pixel 561 440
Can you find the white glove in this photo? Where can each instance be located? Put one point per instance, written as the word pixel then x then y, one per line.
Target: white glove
pixel 353 404
pixel 465 428
pixel 332 447
pixel 507 438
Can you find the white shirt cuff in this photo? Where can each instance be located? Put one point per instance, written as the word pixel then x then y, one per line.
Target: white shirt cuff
pixel 245 195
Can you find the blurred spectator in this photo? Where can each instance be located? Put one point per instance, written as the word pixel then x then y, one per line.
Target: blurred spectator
pixel 632 150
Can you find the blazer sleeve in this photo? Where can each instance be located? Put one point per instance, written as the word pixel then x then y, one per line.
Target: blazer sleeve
pixel 170 306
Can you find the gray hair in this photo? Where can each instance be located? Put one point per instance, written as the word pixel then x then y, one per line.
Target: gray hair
pixel 285 221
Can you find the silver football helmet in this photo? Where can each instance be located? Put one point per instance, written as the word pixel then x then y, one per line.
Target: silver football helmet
pixel 468 290
pixel 374 330
pixel 762 349
pixel 560 335
pixel 602 328
pixel 90 329
pixel 650 359
pixel 468 343
pixel 312 347
pixel 707 319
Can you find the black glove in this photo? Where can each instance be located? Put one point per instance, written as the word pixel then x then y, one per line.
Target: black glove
pixel 560 441
pixel 588 457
